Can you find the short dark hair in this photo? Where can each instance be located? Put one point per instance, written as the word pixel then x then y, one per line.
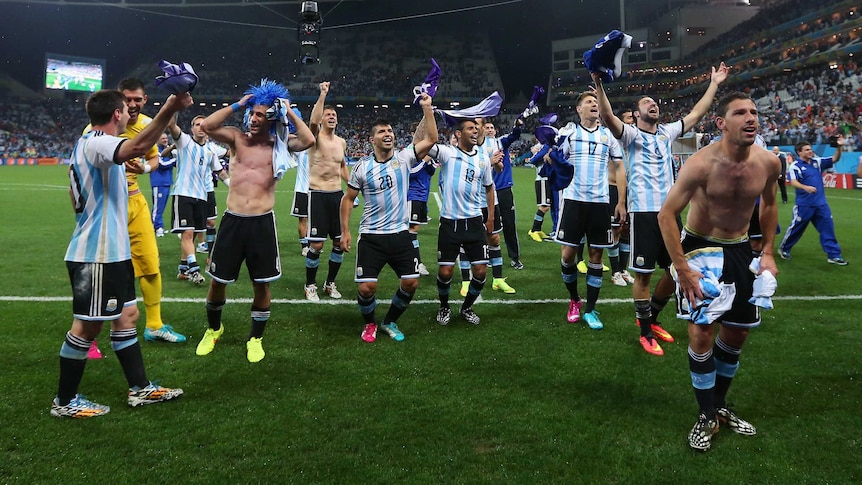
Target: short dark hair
pixel 723 103
pixel 620 112
pixel 131 84
pixel 585 94
pixel 800 146
pixel 329 106
pixel 380 122
pixel 460 125
pixel 101 105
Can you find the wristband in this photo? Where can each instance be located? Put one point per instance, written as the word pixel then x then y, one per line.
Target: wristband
pixel 235 107
pixel 147 168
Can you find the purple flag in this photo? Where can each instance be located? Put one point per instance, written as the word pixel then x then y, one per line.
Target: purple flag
pixel 429 87
pixel 177 78
pixel 488 107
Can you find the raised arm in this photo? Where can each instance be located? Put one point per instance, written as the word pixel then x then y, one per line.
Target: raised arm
pixel 429 127
pixel 304 138
pixel 317 111
pixel 702 107
pixel 175 128
pixel 148 137
pixel 213 125
pixel 606 112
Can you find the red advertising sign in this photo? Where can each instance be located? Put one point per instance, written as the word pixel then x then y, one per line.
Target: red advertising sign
pixel 837 181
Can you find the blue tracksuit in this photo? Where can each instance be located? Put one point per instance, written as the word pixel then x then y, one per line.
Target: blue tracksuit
pixel 161 180
pixel 811 208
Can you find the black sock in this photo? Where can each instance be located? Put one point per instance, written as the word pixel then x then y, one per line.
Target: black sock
pixel 644 316
pixel 656 306
pixel 726 364
pixel 336 257
pixel 366 307
pixel 538 219
pixel 73 359
pixel 214 314
pixel 570 279
pixel 259 317
pixel 398 306
pixel 312 261
pixel 443 291
pixel 473 292
pixel 496 255
pixel 594 285
pixel 128 350
pixel 702 368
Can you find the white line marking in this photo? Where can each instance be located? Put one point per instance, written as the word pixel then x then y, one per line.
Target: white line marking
pixel 438 200
pixel 610 301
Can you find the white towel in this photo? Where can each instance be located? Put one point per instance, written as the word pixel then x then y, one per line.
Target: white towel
pixel 765 285
pixel 282 158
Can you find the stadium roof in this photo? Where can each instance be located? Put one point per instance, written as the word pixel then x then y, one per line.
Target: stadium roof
pixel 171 3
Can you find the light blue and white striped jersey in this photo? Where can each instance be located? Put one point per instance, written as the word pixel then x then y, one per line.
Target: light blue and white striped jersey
pixel 193 167
pixel 215 165
pixel 100 196
pixel 301 185
pixel 463 178
pixel 384 189
pixel 649 167
pixel 589 152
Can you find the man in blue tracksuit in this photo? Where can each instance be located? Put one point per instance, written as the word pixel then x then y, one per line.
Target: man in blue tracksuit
pixel 503 185
pixel 805 174
pixel 160 181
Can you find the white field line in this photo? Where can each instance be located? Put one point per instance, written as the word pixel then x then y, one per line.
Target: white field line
pixel 610 301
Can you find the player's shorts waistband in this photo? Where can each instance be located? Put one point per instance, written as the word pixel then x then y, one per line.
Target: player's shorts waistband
pixel 717 240
pixel 236 214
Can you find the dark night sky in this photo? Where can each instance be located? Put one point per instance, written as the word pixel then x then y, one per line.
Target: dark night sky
pixel 520 31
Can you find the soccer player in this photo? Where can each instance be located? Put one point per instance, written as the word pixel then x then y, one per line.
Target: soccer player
pixel 502 173
pixel 782 186
pixel 160 181
pixel 99 254
pixel 247 230
pixel 720 184
pixel 142 235
pixel 806 176
pixel 215 172
pixel 299 207
pixel 195 159
pixel 588 149
pixel 649 176
pixel 384 179
pixel 546 200
pixel 326 169
pixel 466 186
pixel 417 200
pixel 619 253
pixel 505 209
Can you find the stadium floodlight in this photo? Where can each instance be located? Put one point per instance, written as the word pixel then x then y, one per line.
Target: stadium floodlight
pixel 308 33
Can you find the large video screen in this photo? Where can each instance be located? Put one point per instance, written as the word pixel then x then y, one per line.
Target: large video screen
pixel 70 73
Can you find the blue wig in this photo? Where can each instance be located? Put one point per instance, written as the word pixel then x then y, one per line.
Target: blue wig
pixel 264 94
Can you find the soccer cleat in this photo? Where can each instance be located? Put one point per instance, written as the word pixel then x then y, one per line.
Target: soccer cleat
pixel 203 247
pixel 618 279
pixel 160 232
pixel 331 290
pixel 304 251
pixel 369 333
pixel 605 268
pixel 93 353
pixel 700 437
pixel 650 344
pixel 152 394
pixel 444 315
pixel 574 313
pixel 517 264
pixel 254 350
pixel 592 319
pixel 582 267
pixel 465 285
pixel 839 261
pixel 501 285
pixel 658 331
pixel 626 276
pixel 537 236
pixel 207 343
pixel 78 407
pixel 166 333
pixel 785 255
pixel 182 274
pixel 391 329
pixel 735 423
pixel 196 277
pixel 550 237
pixel 423 271
pixel 311 293
pixel 469 315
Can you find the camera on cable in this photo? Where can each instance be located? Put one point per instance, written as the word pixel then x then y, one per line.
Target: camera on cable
pixel 308 33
